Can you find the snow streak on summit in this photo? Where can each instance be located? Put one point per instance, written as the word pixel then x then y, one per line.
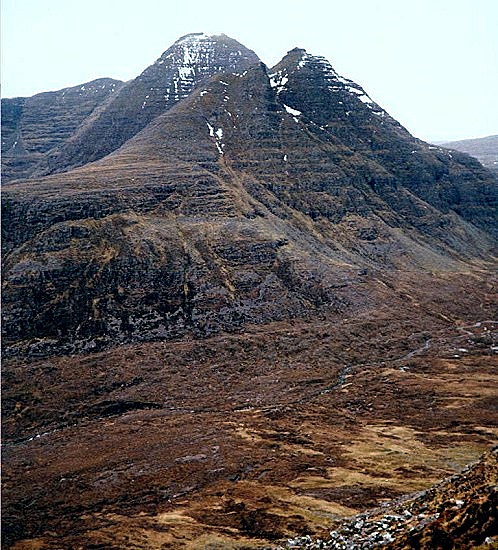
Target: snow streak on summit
pixel 195 57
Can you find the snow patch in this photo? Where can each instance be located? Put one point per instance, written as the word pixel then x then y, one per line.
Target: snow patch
pixel 278 81
pixel 186 73
pixel 305 58
pixel 192 38
pixel 365 99
pixel 292 111
pixel 217 135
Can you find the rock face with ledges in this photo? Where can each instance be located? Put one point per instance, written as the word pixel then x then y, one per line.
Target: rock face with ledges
pixel 33 127
pixel 191 60
pixel 252 196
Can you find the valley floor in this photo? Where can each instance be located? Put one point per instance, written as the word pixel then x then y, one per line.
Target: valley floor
pixel 244 440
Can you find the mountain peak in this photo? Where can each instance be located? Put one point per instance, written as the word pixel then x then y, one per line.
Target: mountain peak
pixel 202 36
pixel 191 37
pixel 192 59
pixel 200 54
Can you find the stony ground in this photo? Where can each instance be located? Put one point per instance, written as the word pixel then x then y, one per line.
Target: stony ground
pixel 246 440
pixel 459 512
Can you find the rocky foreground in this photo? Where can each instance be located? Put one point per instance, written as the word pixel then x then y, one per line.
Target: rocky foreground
pixel 459 512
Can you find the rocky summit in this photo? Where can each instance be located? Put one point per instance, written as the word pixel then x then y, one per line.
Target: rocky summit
pixel 239 303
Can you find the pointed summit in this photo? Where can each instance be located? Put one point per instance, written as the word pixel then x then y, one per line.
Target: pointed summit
pixel 325 93
pixel 190 60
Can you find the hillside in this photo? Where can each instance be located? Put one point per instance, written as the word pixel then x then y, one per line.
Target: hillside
pixel 33 127
pixel 485 150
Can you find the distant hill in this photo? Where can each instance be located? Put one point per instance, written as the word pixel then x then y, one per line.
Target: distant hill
pixel 485 149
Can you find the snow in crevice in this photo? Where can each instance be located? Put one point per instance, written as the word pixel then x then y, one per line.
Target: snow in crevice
pixel 218 136
pixel 292 111
pixel 186 73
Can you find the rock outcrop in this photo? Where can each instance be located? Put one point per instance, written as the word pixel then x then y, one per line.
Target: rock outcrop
pixel 459 512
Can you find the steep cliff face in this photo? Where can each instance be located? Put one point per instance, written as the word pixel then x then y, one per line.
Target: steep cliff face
pixel 254 197
pixel 343 115
pixel 33 127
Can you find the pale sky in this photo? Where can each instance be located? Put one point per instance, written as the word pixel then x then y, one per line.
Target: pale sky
pixel 432 64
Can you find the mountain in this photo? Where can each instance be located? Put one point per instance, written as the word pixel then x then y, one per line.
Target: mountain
pixel 262 283
pixel 483 149
pixel 258 196
pixel 192 59
pixel 33 127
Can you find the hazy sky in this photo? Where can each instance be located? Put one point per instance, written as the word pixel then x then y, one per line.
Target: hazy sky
pixel 432 64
